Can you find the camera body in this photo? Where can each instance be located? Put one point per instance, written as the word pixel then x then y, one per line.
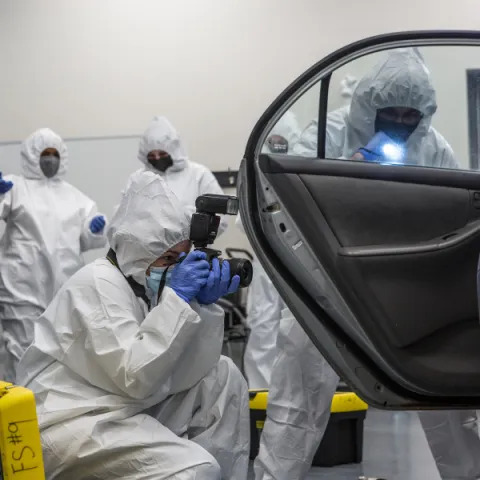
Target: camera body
pixel 204 230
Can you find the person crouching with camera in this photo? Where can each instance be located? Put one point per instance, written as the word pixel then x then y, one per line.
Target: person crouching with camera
pixel 126 365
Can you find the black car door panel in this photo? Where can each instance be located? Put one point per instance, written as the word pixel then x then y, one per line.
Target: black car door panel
pixel 400 244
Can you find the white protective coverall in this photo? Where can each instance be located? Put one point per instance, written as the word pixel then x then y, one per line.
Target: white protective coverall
pixel 301 390
pixel 264 304
pixel 302 385
pixel 298 415
pixel 188 180
pixel 127 393
pixel 47 230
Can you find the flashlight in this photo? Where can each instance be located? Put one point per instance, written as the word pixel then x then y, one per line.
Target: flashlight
pixel 393 152
pixel 381 148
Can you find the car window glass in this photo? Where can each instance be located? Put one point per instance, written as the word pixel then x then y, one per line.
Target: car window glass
pixel 295 122
pixel 406 106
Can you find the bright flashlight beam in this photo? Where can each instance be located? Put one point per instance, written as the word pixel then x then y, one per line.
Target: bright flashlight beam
pixel 393 152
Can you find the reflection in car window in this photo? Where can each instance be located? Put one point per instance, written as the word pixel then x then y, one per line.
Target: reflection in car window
pixel 393 104
pixel 284 135
pixel 389 117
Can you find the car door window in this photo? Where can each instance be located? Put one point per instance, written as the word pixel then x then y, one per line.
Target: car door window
pixel 286 132
pixel 418 106
pixel 409 95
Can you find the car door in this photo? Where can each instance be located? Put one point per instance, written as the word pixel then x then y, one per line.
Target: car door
pixel 377 259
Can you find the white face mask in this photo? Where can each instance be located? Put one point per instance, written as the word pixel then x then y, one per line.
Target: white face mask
pixel 153 282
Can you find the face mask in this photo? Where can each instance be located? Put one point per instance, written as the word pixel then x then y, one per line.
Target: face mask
pixel 398 132
pixel 277 144
pixel 49 164
pixel 161 164
pixel 153 282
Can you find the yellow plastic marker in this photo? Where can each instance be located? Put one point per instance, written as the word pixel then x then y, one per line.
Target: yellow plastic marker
pixel 341 402
pixel 20 443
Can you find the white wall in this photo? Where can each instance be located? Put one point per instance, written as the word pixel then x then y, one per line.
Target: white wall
pixel 97 68
pixel 90 68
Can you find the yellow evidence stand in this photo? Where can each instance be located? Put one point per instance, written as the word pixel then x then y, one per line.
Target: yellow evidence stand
pixel 343 439
pixel 20 444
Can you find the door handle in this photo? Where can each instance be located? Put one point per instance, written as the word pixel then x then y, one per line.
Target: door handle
pixel 448 240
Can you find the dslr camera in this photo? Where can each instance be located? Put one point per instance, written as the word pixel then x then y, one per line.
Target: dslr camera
pixel 204 230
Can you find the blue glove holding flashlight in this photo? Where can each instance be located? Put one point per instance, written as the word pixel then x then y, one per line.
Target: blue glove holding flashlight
pixel 382 148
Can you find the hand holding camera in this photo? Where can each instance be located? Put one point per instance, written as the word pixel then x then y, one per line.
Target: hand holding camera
pixel 204 229
pixel 218 283
pixel 190 275
pixel 202 274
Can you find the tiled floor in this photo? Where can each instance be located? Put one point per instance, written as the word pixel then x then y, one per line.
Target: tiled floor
pixel 395 448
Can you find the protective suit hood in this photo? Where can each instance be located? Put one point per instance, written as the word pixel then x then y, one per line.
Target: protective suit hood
pixel 149 221
pixel 399 80
pixel 33 147
pixel 161 135
pixel 347 86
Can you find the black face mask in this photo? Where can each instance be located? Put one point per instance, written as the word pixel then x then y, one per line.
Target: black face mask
pixel 277 144
pixel 398 132
pixel 49 164
pixel 161 164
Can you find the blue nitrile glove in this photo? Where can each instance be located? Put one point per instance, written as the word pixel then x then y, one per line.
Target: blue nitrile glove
pixel 5 185
pixel 189 276
pixel 381 147
pixel 218 284
pixel 97 224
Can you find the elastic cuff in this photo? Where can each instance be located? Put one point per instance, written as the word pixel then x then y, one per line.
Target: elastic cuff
pixel 368 154
pixel 185 299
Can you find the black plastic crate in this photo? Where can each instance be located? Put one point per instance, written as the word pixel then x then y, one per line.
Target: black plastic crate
pixel 342 442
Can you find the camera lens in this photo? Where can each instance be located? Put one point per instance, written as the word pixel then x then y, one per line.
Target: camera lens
pixel 243 268
pixel 232 206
